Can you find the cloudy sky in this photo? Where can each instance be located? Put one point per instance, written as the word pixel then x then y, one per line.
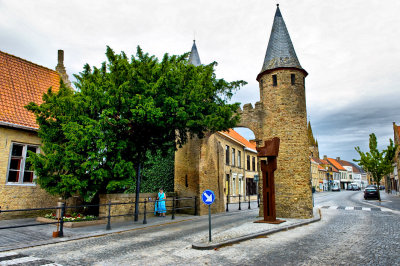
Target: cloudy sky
pixel 351 49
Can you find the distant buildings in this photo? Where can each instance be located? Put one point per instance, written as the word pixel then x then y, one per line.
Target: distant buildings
pixel 393 183
pixel 336 172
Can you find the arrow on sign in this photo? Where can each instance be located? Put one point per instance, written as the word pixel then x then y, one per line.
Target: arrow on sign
pixel 208 197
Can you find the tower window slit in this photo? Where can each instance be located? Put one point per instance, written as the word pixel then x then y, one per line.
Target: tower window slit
pixel 292 78
pixel 274 80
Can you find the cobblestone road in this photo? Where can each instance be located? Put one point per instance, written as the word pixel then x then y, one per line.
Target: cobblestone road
pixel 342 237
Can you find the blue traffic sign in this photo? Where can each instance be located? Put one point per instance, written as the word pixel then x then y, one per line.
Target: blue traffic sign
pixel 208 197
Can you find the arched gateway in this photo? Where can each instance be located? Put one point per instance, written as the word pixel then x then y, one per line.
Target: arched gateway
pixel 281 112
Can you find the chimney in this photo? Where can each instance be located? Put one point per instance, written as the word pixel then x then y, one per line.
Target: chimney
pixel 325 157
pixel 61 58
pixel 337 158
pixel 61 69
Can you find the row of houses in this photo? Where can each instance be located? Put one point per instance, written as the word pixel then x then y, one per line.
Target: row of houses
pixel 392 181
pixel 327 173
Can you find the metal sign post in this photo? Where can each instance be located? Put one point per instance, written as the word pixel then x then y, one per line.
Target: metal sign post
pixel 208 198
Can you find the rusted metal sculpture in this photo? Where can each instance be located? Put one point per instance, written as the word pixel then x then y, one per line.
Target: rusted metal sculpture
pixel 267 155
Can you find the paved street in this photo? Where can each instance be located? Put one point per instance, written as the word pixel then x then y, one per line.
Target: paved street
pixel 357 234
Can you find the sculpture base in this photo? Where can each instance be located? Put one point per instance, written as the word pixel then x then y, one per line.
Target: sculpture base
pixel 277 221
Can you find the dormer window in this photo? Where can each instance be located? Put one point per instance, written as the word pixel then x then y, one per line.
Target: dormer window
pixel 274 81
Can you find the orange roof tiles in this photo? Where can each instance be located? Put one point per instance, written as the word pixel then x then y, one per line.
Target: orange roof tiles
pixel 323 161
pixel 336 164
pixel 233 134
pixel 321 168
pixel 22 82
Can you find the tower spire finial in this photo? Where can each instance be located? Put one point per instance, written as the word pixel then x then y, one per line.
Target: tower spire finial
pixel 194 58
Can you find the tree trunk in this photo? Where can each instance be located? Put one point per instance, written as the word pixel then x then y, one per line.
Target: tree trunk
pixel 379 192
pixel 137 193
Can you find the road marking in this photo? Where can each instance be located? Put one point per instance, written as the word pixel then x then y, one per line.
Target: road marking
pixel 12 258
pixel 356 208
pixel 6 254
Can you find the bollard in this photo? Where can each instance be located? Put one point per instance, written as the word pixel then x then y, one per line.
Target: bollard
pixel 249 203
pixel 239 204
pixel 227 199
pixel 195 205
pixel 144 219
pixel 61 233
pixel 173 208
pixel 108 227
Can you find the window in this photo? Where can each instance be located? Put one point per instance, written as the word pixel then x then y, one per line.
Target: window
pixel 254 163
pixel 233 156
pixel 248 162
pixel 274 81
pixel 293 78
pixel 227 154
pixel 19 170
pixel 251 186
pixel 239 160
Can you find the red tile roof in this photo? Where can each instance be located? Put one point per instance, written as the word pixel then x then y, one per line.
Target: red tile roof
pixel 321 168
pixel 355 167
pixel 22 82
pixel 336 164
pixel 233 134
pixel 323 161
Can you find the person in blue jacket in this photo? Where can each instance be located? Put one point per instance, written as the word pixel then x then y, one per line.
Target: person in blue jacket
pixel 161 197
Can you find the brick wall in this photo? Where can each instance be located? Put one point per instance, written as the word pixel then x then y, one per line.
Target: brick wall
pixel 286 118
pixel 19 196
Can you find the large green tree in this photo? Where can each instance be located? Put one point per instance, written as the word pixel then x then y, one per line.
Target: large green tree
pixel 97 137
pixel 375 162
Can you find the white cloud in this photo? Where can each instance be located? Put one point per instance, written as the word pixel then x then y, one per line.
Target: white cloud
pixel 349 48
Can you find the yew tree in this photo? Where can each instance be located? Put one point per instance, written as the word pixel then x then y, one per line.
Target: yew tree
pixel 377 163
pixel 95 138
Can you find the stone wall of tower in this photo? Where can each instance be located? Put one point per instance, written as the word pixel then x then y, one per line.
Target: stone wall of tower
pixel 187 161
pixel 199 166
pixel 286 118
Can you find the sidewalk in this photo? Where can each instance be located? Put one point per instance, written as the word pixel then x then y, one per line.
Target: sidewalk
pixel 250 230
pixel 11 239
pixel 243 229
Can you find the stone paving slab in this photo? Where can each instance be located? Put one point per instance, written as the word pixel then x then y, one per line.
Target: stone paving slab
pixel 251 230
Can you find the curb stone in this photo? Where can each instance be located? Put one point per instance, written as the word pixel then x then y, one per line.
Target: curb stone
pixel 209 246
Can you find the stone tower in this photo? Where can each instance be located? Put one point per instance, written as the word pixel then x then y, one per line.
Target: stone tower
pixel 197 164
pixel 281 113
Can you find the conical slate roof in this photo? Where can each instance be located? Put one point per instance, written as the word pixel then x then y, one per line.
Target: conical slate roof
pixel 280 51
pixel 194 58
